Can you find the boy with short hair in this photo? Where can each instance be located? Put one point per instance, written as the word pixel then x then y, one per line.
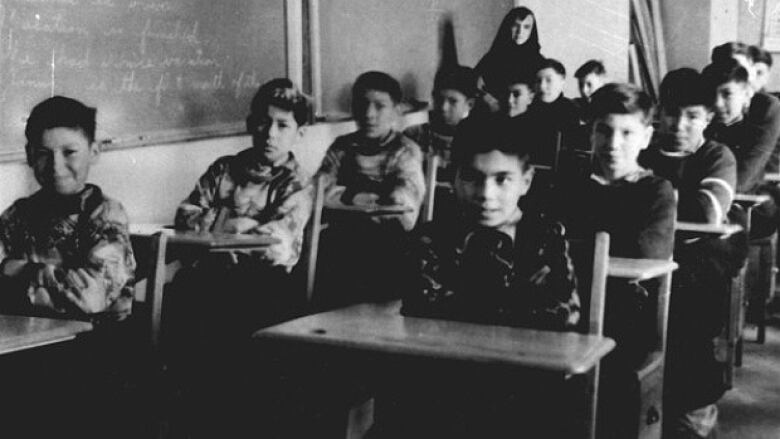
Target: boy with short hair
pixel 454 94
pixel 590 77
pixel 261 190
pixel 373 167
pixel 637 209
pixel 762 62
pixel 749 124
pixel 65 250
pixel 551 112
pixel 495 263
pixel 704 175
pixel 519 96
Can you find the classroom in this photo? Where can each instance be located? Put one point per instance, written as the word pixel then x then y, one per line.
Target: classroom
pixel 383 219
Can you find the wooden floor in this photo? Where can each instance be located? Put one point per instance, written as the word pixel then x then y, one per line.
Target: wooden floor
pixel 751 410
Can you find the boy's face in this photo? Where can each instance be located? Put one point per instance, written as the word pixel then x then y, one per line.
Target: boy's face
pixel 762 75
pixel 451 106
pixel 682 128
pixel 521 29
pixel 62 160
pixel 375 113
pixel 550 84
pixel 489 187
pixel 519 97
pixel 617 140
pixel 589 84
pixel 731 100
pixel 276 134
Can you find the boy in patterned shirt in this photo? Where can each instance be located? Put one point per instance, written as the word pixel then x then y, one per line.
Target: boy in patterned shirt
pixel 65 250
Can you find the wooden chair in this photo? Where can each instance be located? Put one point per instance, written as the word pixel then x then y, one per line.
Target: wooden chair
pixel 431 171
pixel 649 375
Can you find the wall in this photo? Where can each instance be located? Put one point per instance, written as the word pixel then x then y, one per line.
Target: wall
pixel 751 24
pixel 151 181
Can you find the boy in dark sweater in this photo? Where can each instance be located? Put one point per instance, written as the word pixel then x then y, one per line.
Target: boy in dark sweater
pixel 637 209
pixel 750 127
pixel 551 112
pixel 704 175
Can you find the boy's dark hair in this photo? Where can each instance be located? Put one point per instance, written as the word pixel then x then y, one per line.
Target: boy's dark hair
pixel 591 66
pixel 717 74
pixel 684 87
pixel 484 133
pixel 522 78
pixel 621 98
pixel 460 78
pixel 760 55
pixel 379 81
pixel 59 112
pixel 280 93
pixel 727 51
pixel 550 63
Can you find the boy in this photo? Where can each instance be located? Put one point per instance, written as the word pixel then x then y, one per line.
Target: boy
pixel 590 77
pixel 762 62
pixel 372 167
pixel 519 96
pixel 65 250
pixel 66 253
pixel 637 209
pixel 454 93
pixel 261 190
pixel 494 263
pixel 750 126
pixel 551 112
pixel 704 174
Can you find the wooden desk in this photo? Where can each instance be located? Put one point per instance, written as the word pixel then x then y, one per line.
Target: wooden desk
pixel 380 328
pixel 369 210
pixel 774 178
pixel 639 269
pixel 751 200
pixel 19 332
pixel 210 241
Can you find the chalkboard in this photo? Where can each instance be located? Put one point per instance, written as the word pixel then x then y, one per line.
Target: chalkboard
pixel 400 37
pixel 157 70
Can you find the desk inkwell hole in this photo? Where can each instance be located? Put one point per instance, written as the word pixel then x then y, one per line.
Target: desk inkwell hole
pixel 319 331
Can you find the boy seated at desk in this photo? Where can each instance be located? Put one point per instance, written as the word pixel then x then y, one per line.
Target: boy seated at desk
pixel 454 93
pixel 374 168
pixel 494 263
pixel 261 190
pixel 749 124
pixel 637 209
pixel 590 77
pixel 66 253
pixel 704 174
pixel 65 250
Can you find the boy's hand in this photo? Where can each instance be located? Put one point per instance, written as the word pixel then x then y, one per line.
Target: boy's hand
pixel 239 225
pixel 282 251
pixel 365 199
pixel 85 291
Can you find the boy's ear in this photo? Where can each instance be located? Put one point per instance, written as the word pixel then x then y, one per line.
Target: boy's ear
pixel 94 152
pixel 648 136
pixel 301 131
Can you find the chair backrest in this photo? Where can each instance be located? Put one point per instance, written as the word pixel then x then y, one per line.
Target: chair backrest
pixel 311 237
pixel 591 258
pixel 431 171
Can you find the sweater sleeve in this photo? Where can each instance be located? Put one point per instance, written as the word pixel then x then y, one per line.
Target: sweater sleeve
pixel 761 135
pixel 198 211
pixel 656 235
pixel 408 182
pixel 710 200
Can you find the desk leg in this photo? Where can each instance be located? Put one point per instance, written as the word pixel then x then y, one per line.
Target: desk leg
pixel 592 383
pixel 154 288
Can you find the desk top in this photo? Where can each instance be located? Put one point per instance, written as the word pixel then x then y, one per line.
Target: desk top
pixel 19 332
pixel 722 230
pixel 639 269
pixel 380 328
pixel 772 177
pixel 751 200
pixel 208 240
pixel 371 210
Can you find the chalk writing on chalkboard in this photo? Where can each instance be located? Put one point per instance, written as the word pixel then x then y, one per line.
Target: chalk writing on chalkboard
pixel 156 70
